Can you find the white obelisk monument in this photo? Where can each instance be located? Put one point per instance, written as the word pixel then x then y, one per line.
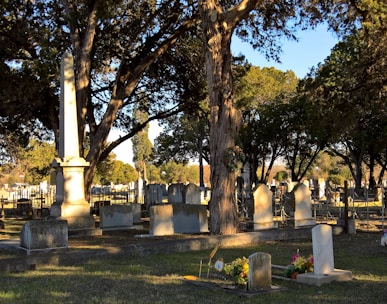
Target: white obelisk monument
pixel 69 166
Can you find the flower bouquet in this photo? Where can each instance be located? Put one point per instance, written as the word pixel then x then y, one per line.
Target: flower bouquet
pixel 238 270
pixel 299 264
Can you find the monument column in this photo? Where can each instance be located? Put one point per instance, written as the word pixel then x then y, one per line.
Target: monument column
pixel 70 202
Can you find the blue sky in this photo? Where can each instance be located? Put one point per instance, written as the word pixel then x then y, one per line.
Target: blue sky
pixel 313 47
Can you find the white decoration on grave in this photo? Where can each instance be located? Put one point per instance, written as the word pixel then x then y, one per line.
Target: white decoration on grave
pixel 219 264
pixel 383 241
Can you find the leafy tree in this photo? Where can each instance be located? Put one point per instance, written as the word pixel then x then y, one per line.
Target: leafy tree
pixel 185 139
pixel 261 96
pixel 120 48
pixel 142 146
pixel 34 161
pixel 115 171
pixel 260 23
pixel 351 84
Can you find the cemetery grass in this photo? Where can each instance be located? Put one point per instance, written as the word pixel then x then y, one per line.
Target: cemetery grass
pixel 159 278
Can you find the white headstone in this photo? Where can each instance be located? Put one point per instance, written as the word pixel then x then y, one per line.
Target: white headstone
pixel 263 208
pixel 303 206
pixel 322 249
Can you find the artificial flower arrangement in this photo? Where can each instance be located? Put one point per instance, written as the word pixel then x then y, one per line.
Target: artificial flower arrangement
pixel 299 264
pixel 238 270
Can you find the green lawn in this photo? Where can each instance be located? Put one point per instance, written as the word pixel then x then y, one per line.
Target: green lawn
pixel 159 278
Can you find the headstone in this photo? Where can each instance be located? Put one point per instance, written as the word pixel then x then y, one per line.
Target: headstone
pixel 324 271
pixel 322 249
pixel 259 271
pixel 70 202
pixel 44 234
pixel 161 220
pixel 169 219
pixel 263 208
pixel 153 195
pixel 321 189
pixel 303 206
pixel 136 209
pixel 116 217
pixel 139 191
pixel 191 194
pixel 175 193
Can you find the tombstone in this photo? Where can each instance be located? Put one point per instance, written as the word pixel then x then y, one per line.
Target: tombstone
pixel 263 208
pixel 161 220
pixel 303 206
pixel 136 210
pixel 322 249
pixel 175 193
pixel 153 195
pixel 43 235
pixel 191 194
pixel 169 219
pixel 259 271
pixel 321 189
pixel 70 202
pixel 139 191
pixel 324 270
pixel 116 217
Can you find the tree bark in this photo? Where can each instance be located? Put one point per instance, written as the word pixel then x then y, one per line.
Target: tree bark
pixel 218 27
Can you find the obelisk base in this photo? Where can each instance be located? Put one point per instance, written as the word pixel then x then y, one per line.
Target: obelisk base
pixel 78 218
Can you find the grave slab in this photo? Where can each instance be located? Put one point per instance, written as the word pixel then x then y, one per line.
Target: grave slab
pixel 311 278
pixel 43 235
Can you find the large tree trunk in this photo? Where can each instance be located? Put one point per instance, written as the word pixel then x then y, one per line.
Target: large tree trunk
pixel 225 119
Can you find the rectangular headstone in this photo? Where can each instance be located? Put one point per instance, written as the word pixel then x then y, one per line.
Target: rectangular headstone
pixel 322 249
pixel 44 234
pixel 259 271
pixel 153 195
pixel 169 219
pixel 161 220
pixel 116 216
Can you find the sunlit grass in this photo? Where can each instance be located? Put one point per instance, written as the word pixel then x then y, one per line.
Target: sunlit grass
pixel 159 278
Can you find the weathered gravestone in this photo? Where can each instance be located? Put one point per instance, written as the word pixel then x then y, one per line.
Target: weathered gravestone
pixel 324 271
pixel 191 194
pixel 169 219
pixel 175 193
pixel 153 195
pixel 259 271
pixel 263 208
pixel 303 206
pixel 116 217
pixel 43 235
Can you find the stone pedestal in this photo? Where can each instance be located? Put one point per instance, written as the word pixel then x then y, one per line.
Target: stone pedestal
pixel 70 204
